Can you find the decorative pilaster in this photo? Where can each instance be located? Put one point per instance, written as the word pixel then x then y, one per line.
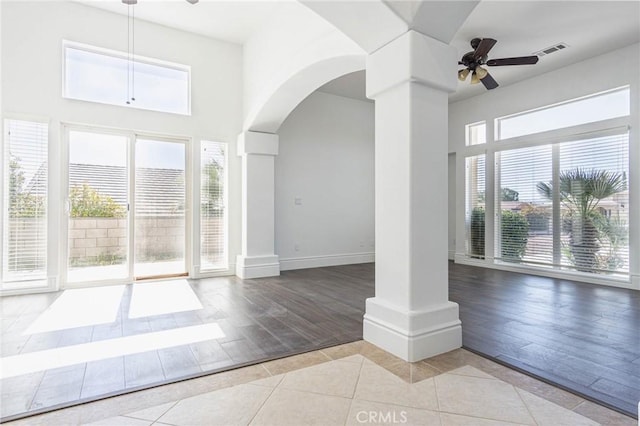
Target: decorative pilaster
pixel 258 258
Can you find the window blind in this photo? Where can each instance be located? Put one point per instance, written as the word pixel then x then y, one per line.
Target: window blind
pixel 588 230
pixel 25 200
pixel 474 205
pixel 212 208
pixel 525 231
pixel 594 193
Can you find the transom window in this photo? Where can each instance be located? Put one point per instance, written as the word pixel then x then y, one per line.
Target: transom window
pixel 110 77
pixel 600 106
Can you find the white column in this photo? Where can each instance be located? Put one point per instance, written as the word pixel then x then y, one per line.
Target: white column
pixel 258 258
pixel 410 315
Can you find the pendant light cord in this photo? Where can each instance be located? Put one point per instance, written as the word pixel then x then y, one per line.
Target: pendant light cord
pixel 133 54
pixel 128 48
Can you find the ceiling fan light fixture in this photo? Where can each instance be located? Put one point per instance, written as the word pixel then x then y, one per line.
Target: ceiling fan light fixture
pixel 482 73
pixel 462 74
pixel 474 78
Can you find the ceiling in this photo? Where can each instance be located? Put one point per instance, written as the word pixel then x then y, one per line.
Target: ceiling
pixel 230 20
pixel 589 28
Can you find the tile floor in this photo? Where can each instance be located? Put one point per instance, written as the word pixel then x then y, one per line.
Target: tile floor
pixel 350 384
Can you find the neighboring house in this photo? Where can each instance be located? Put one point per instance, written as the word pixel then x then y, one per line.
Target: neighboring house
pixel 159 192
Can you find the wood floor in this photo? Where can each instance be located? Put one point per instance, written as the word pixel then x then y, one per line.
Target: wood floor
pixel 585 338
pixel 259 320
pixel 582 337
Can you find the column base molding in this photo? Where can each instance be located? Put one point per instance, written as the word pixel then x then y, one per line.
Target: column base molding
pixel 412 335
pixel 248 267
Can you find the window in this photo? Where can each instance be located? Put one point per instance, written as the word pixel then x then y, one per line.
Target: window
pixel 560 199
pixel 594 197
pixel 526 215
pixel 475 205
pixel 476 133
pixel 212 206
pixel 576 217
pixel 98 75
pixel 25 201
pixel 601 106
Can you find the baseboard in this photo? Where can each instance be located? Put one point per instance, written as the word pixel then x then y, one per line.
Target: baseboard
pixel 249 267
pixel 632 283
pixel 326 260
pixel 412 335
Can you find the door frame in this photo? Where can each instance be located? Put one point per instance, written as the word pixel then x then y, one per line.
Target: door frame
pixel 132 136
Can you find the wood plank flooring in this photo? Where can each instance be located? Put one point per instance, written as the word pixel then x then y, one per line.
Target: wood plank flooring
pixel 259 319
pixel 582 337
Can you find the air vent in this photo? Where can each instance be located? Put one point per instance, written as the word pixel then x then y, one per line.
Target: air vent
pixel 551 49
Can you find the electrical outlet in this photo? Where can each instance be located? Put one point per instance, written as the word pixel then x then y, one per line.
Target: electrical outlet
pixel 296 247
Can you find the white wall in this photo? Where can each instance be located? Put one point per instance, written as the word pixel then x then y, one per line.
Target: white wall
pixel 32 34
pixel 326 160
pixel 274 61
pixel 614 69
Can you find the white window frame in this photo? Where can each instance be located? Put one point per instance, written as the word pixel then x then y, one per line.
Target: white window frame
pixel 566 134
pixel 190 188
pixel 197 188
pixel 48 283
pixel 123 55
pixel 498 120
pixel 468 133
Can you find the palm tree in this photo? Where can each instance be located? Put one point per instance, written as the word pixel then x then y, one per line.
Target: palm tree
pixel 580 191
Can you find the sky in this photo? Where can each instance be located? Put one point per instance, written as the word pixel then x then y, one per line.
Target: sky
pixel 111 150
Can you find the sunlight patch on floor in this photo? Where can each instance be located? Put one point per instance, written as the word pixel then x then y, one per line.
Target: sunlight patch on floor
pixel 164 297
pixel 31 362
pixel 79 308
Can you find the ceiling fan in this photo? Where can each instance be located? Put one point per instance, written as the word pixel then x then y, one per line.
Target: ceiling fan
pixel 474 59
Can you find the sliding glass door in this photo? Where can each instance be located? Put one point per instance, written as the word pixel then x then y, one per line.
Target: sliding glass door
pixel 98 243
pixel 160 200
pixel 126 198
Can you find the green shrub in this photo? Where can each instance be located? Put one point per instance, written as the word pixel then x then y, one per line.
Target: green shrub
pixel 515 233
pixel 477 232
pixel 87 202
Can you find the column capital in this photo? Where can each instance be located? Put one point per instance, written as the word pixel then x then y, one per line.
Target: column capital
pixel 250 142
pixel 412 57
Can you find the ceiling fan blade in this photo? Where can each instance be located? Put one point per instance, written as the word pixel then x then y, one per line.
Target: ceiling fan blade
pixel 483 48
pixel 489 82
pixel 522 60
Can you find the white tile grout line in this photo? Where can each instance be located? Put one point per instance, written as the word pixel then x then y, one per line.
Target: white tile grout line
pixel 435 388
pixel 355 388
pixel 263 402
pixel 154 421
pixel 525 404
pixel 266 369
